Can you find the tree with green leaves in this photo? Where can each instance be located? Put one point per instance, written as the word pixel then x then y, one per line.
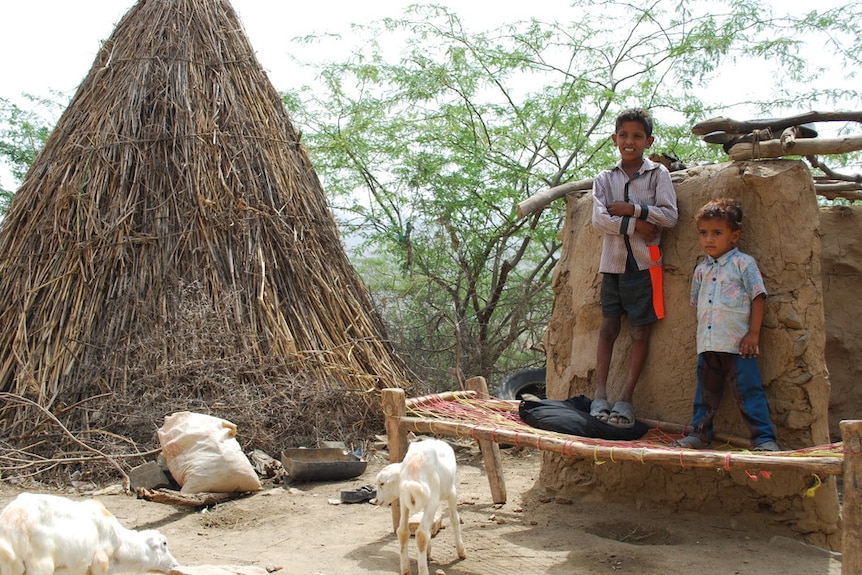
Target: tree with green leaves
pixel 427 135
pixel 23 132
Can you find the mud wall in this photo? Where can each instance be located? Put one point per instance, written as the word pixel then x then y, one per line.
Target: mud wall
pixel 781 231
pixel 841 264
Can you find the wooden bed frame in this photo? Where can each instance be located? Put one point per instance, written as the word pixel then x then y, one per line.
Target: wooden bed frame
pixel 846 463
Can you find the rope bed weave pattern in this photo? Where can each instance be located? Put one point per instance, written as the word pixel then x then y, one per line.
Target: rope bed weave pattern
pixel 461 414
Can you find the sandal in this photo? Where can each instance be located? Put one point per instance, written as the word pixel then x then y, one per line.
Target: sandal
pixel 622 415
pixel 691 442
pixel 600 409
pixel 360 495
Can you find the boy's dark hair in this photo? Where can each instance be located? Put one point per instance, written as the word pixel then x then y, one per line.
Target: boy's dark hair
pixel 635 115
pixel 726 209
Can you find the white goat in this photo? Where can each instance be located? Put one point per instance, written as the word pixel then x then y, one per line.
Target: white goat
pixel 426 475
pixel 47 534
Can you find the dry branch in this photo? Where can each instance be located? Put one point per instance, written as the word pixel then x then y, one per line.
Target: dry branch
pixel 835 191
pixel 12 399
pixel 541 199
pixel 831 174
pixel 802 147
pixel 722 124
pixel 171 497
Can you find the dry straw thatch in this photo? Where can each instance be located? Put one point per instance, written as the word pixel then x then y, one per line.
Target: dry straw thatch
pixel 172 249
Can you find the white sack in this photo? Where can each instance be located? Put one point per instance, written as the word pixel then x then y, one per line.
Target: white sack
pixel 204 456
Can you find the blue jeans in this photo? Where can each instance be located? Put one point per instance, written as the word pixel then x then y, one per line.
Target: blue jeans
pixel 717 370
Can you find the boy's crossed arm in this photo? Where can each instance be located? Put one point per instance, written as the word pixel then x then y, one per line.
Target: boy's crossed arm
pixel 648 230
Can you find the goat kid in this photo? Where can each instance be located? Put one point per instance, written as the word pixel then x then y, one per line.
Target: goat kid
pixel 426 475
pixel 47 534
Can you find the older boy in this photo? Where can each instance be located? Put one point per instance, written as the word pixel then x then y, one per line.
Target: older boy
pixel 632 203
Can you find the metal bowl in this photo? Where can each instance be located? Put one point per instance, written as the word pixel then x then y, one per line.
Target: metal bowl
pixel 321 464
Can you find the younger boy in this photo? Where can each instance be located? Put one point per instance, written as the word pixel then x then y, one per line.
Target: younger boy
pixel 728 292
pixel 632 202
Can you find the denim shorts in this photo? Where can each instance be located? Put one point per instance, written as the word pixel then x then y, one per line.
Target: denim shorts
pixel 631 294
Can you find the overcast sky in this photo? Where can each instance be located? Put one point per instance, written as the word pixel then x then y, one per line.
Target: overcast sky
pixel 51 44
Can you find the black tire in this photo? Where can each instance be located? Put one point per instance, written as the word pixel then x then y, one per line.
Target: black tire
pixel 517 383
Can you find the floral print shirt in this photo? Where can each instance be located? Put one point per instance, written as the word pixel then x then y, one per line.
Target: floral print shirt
pixel 722 291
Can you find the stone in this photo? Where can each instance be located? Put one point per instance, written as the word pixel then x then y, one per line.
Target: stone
pixel 149 475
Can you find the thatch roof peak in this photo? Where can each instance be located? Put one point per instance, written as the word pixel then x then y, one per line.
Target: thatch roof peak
pixel 174 217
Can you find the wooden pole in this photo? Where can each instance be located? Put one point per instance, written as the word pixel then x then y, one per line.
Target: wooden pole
pixel 851 550
pixel 435 397
pixel 805 147
pixel 735 127
pixel 394 409
pixel 541 199
pixel 846 190
pixel 490 450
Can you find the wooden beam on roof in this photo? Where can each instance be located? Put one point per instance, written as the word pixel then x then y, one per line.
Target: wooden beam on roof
pixel 722 124
pixel 801 147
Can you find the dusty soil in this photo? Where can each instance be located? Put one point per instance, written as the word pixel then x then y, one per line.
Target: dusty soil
pixel 300 529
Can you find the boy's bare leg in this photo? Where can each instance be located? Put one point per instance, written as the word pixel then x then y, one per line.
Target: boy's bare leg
pixel 608 333
pixel 640 348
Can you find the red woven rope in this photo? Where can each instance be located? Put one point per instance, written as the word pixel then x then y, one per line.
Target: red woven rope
pixel 500 414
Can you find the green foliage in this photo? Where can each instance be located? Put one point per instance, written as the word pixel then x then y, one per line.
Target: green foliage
pixel 427 135
pixel 23 132
pixel 424 150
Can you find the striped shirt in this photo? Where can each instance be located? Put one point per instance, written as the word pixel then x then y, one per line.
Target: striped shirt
pixel 652 193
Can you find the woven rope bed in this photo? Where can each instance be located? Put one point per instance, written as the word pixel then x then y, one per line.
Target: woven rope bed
pixel 464 414
pixel 475 415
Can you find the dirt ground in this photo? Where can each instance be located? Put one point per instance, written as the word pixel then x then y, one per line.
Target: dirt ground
pixel 302 529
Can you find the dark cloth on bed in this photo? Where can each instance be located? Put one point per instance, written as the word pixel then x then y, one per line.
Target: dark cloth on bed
pixel 572 417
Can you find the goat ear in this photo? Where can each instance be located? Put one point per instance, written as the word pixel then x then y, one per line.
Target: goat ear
pixel 156 542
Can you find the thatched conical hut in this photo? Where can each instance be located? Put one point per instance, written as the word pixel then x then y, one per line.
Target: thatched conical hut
pixel 172 248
